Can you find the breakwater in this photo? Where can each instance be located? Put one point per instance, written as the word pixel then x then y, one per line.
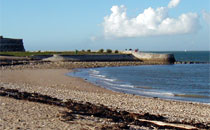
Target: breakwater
pixel 153 57
pixel 134 56
pixel 109 57
pixel 146 58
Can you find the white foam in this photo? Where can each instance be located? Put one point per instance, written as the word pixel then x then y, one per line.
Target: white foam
pixel 207 103
pixel 98 75
pixel 92 71
pixel 108 83
pixel 148 93
pixel 111 80
pixel 126 85
pixel 158 93
pixel 102 77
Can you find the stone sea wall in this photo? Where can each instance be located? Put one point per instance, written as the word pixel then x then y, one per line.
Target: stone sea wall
pixel 110 57
pixel 9 44
pixel 135 56
pixel 153 57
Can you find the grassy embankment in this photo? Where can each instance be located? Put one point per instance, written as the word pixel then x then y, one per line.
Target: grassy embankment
pixel 23 54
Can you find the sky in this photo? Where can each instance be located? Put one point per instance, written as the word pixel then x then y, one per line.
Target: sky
pixel 149 25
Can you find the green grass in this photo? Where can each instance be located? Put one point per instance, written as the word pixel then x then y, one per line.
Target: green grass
pixel 23 54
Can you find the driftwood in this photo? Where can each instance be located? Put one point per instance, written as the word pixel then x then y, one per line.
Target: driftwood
pixel 169 125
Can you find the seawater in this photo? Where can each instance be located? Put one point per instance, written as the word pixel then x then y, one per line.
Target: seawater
pixel 186 82
pixel 196 56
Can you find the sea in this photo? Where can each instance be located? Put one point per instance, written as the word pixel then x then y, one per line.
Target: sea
pixel 185 82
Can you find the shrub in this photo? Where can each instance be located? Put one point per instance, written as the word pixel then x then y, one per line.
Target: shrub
pixel 76 51
pixel 88 50
pixel 101 50
pixel 116 51
pixel 109 51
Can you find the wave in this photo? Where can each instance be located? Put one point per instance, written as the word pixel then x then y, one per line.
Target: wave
pixel 92 71
pixel 103 78
pixel 117 85
pixel 153 93
pixel 126 85
pixel 164 94
pixel 112 82
pixel 146 93
pixel 107 79
pixel 98 75
pixel 207 104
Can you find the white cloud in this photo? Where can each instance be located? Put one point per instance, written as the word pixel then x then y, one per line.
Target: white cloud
pixel 206 17
pixel 173 3
pixel 149 23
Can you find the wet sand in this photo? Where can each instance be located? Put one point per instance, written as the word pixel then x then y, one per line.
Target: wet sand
pixel 55 83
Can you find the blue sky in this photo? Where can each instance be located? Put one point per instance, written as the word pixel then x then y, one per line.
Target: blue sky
pixel 69 25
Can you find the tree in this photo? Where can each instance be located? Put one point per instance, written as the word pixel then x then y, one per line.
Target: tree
pixel 116 51
pixel 88 50
pixel 109 51
pixel 76 51
pixel 101 50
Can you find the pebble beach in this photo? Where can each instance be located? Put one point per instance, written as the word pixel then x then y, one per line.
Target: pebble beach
pixel 50 79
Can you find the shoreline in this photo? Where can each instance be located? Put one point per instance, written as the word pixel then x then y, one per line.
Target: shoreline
pixel 54 82
pixel 92 80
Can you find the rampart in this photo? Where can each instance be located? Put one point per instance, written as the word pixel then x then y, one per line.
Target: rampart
pixel 9 44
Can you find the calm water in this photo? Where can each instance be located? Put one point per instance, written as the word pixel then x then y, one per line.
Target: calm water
pixel 188 82
pixel 199 56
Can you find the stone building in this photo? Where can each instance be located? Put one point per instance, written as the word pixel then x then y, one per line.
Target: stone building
pixel 9 44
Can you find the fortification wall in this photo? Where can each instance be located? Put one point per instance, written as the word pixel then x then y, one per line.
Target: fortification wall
pixel 9 44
